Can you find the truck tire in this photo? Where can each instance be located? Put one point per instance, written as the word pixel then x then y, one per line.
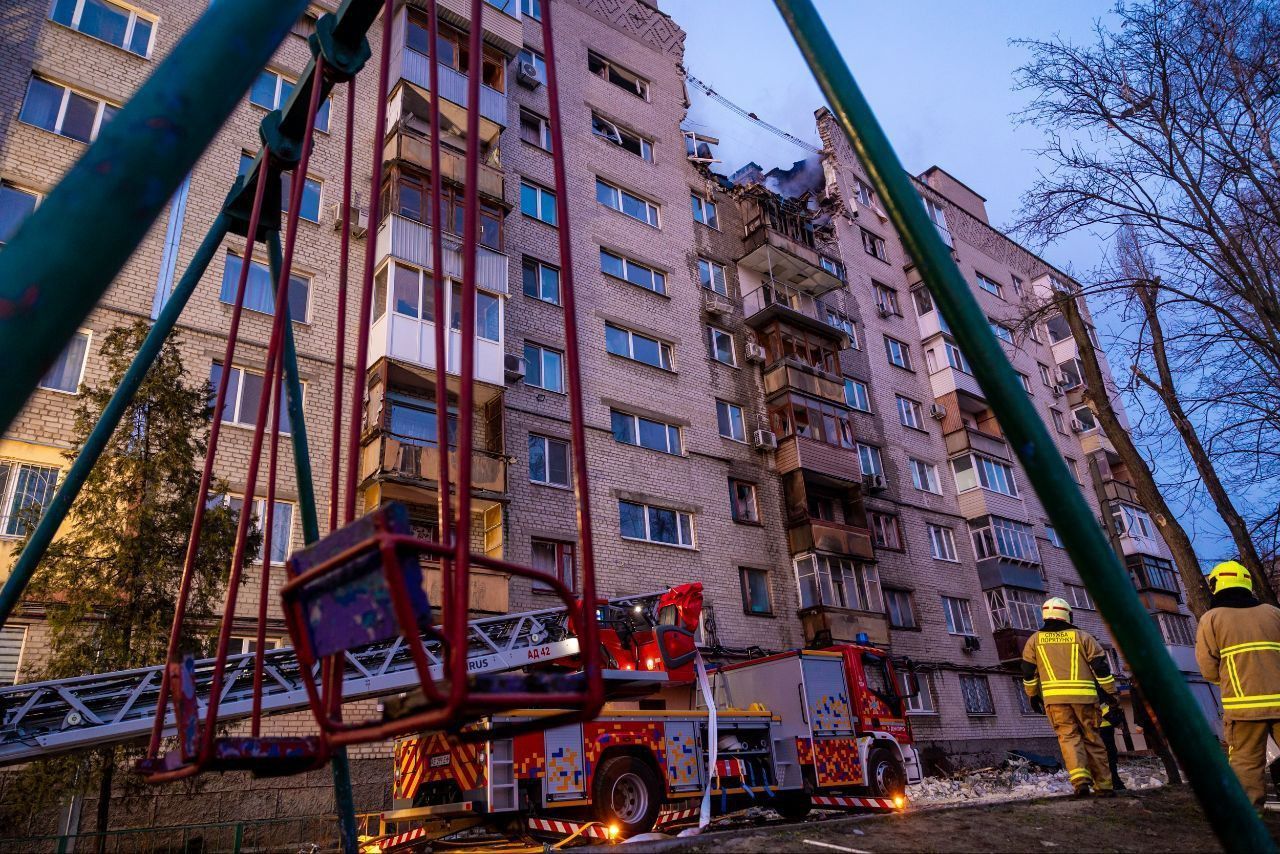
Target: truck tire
pixel 627 793
pixel 886 776
pixel 795 805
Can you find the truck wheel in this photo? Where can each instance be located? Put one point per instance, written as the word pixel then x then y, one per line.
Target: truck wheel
pixel 794 806
pixel 885 775
pixel 627 793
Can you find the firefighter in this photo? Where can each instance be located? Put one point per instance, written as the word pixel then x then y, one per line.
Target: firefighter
pixel 1238 647
pixel 1064 669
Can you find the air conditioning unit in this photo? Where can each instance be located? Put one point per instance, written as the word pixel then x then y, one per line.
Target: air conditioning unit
pixel 715 304
pixel 938 411
pixel 514 367
pixel 874 482
pixel 755 353
pixel 1056 388
pixel 764 440
pixel 885 311
pixel 359 220
pixel 527 75
pixel 971 643
pixel 1076 426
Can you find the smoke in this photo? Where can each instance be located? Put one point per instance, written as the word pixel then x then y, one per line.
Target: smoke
pixel 804 176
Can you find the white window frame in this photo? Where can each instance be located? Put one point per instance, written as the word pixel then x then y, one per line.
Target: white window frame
pixel 62 108
pixel 989 285
pixel 701 205
pixel 873 244
pixel 1080 597
pixel 653 211
pixel 754 519
pixel 904 598
pixel 902 348
pixel 684 526
pixel 1001 331
pixel 1013 608
pixel 837 581
pixel 1051 533
pixel 239 401
pixel 983 468
pixel 656 276
pixel 942 543
pixel 958 616
pixel 547 442
pixel 1176 629
pixel 18 188
pixel 644 143
pixel 10 486
pixel 134 15
pixel 922 703
pixel 709 281
pixel 1006 539
pixel 546 201
pixel 730 410
pixel 887 300
pixel 909 413
pixel 841 321
pixel 635 431
pixel 84 361
pixel 310 281
pixel 542 367
pixel 640 89
pixel 531 9
pixel 872 453
pixel 666 353
pixel 539 266
pixel 259 512
pixel 714 333
pixel 862 395
pixel 925 476
pixel 278 98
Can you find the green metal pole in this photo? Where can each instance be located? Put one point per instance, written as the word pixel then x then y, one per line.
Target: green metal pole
pixel 54 514
pixel 66 254
pixel 1228 809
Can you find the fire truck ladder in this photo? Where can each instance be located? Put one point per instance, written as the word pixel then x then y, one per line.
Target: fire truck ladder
pixel 40 719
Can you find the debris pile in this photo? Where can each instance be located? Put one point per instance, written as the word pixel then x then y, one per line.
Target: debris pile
pixel 1019 779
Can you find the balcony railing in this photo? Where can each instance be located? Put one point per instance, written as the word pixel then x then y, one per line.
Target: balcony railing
pixel 828 623
pixel 416 68
pixel 797 376
pixel 410 241
pixel 799 452
pixel 781 257
pixel 968 439
pixel 417 150
pixel 414 461
pixel 821 535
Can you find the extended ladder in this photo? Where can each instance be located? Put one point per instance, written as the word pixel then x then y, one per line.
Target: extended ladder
pixel 40 719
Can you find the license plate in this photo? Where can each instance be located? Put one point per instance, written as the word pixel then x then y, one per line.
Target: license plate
pixel 440 760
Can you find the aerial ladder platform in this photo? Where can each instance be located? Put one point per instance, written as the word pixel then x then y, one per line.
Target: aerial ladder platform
pixel 42 719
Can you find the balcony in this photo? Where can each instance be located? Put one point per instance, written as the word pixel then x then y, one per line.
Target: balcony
pixel 820 535
pixel 1096 440
pixel 775 301
pixel 968 439
pixel 792 375
pixel 948 380
pixel 799 452
pixel 1009 644
pixel 408 240
pixel 414 68
pixel 1118 490
pixel 996 572
pixel 827 623
pixel 409 461
pixel 415 149
pixel 781 244
pixel 501 24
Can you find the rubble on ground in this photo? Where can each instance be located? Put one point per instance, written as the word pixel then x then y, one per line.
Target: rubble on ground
pixel 1018 779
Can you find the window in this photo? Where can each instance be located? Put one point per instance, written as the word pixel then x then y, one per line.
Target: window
pixel 922 703
pixel 110 22
pixel 729 418
pixel 874 246
pixel 856 395
pixel 959 620
pixel 67 113
pixel 704 211
pixel 272 90
pixel 939 218
pixel 720 345
pixel 244 393
pixel 544 367
pixel 1075 469
pixel 974 470
pixel 886 300
pixel 825 579
pixel 1058 423
pixel 531 8
pixel 535 130
pixel 1024 702
pixel 619 77
pixel 842 322
pixel 412 292
pixel 1133 521
pixel 1084 416
pixel 645 432
pixel 864 192
pixel 1045 377
pixel 655 524
pixel 413 421
pixel 25 490
pixel 541 280
pixel 925 476
pixel 989 285
pixel 553 558
pixel 745 507
pixel 1026 382
pixel 634 272
pixel 1080 598
pixel 625 139
pixel 538 61
pixel 923 301
pixel 898 352
pixel 942 543
pixel 12 640
pixel 1001 331
pixel 281 523
pixel 627 203
pixel 68 370
pixel 909 413
pixel 16 204
pixel 1176 629
pixel 308 208
pixel 488 314
pixel 813 419
pixel 1017 284
pixel 305 26
pixel 902 612
pixel 1052 533
pixel 1005 538
pixel 641 348
pixel 755 590
pixel 259 294
pixel 832 266
pixel 710 275
pixel 1152 573
pixel 538 202
pixel 408 198
pixel 869 457
pixel 1059 328
pixel 548 460
pixel 1113 657
pixel 1014 608
pixel 885 531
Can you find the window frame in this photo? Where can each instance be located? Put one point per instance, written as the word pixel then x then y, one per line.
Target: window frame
pixel 259 513
pixel 872 453
pixel 561 550
pixel 544 130
pixel 1013 608
pixel 988 703
pixel 729 409
pixel 889 594
pixel 636 432
pixel 747 598
pixel 653 210
pixel 84 362
pixel 656 276
pixel 538 266
pixel 295 277
pixel 913 705
pixel 709 282
pixel 910 413
pixel 36 199
pixel 537 59
pixel 886 531
pixel 1006 539
pixel 713 334
pixel 640 87
pixel 976 465
pixel 134 14
pixel 324 113
pixel 941 540
pixel 542 351
pixel 988 284
pixel 753 518
pixel 926 471
pixel 666 351
pixel 957 614
pixel 99 113
pixel 865 394
pixel 11 516
pixel 286 426
pixel 547 442
pixel 701 205
pixel 1080 598
pixel 683 520
pixel 643 143
pixel 542 194
pixel 837 581
pixel 903 348
pixel 874 245
pixel 887 299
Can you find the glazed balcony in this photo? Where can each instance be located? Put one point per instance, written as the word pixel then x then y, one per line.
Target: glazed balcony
pixel 781 245
pixel 413 462
pixel 968 439
pixel 774 301
pixel 1009 645
pixel 824 536
pixel 793 375
pixel 409 147
pixel 843 625
pixel 800 452
pixel 996 572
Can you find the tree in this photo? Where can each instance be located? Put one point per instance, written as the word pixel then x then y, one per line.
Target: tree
pixel 1165 128
pixel 109 584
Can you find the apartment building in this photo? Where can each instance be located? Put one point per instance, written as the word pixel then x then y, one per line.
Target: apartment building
pixel 773 405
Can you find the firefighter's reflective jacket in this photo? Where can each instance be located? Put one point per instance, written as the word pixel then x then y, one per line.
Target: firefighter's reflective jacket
pixel 1238 648
pixel 1064 664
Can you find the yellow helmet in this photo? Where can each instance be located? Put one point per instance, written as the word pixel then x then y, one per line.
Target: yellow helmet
pixel 1056 609
pixel 1229 574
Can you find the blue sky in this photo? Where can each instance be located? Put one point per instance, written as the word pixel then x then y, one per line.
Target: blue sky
pixel 940 77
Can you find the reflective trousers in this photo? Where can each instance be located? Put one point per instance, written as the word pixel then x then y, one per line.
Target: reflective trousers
pixel 1083 754
pixel 1247 753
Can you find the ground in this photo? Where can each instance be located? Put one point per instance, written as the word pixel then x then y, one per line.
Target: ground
pixel 1159 819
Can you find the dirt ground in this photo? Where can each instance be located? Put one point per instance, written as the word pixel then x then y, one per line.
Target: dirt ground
pixel 1164 819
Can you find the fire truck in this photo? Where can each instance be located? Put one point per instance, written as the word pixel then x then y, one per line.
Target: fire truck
pixel 801 729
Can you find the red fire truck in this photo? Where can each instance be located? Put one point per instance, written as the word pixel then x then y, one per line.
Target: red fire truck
pixel 801 729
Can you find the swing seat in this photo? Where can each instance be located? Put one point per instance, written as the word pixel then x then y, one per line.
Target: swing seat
pixel 270 756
